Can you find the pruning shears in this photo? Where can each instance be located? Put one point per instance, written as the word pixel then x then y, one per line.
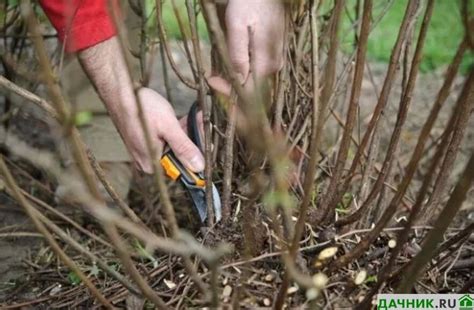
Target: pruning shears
pixel 194 183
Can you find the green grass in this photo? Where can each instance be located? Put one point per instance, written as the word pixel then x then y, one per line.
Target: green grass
pixel 444 35
pixel 170 21
pixel 172 25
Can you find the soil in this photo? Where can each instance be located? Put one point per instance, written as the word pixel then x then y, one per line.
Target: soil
pixel 14 250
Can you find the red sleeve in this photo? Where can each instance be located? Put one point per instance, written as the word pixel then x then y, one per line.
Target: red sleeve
pixel 80 23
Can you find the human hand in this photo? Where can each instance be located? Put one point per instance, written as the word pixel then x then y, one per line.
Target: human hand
pixel 107 70
pixel 260 50
pixel 163 127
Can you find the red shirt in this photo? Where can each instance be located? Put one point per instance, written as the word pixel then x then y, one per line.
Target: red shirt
pixel 80 23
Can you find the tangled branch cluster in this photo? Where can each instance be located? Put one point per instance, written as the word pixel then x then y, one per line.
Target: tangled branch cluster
pixel 337 212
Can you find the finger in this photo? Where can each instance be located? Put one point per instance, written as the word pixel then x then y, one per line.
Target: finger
pixel 220 85
pixel 238 45
pixel 186 151
pixel 268 61
pixel 267 52
pixel 143 162
pixel 143 167
pixel 183 122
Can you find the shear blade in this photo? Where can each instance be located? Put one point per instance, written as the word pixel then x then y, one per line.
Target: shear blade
pixel 216 203
pixel 198 196
pixel 199 199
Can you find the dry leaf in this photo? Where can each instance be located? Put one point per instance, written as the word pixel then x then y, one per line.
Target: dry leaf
pixel 312 293
pixel 292 290
pixel 327 253
pixel 267 302
pixel 227 291
pixel 269 277
pixel 320 280
pixel 360 277
pixel 55 290
pixel 170 284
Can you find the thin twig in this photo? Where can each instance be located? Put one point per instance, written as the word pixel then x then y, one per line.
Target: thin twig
pixel 10 182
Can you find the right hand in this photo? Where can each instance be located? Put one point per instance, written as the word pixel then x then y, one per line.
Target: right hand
pixel 163 127
pixel 107 69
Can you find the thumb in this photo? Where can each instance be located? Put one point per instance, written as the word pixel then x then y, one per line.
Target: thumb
pixel 186 151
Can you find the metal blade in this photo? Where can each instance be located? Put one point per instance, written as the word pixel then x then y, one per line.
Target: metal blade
pixel 199 200
pixel 217 203
pixel 198 196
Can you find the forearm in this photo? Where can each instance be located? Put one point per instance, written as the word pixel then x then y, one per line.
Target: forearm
pixel 105 65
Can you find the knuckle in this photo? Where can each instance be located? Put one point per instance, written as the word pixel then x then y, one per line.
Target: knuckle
pixel 182 148
pixel 239 63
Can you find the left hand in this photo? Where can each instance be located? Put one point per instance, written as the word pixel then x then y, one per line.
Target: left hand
pixel 261 49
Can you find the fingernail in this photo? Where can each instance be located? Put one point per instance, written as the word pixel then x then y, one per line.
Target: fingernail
pixel 197 163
